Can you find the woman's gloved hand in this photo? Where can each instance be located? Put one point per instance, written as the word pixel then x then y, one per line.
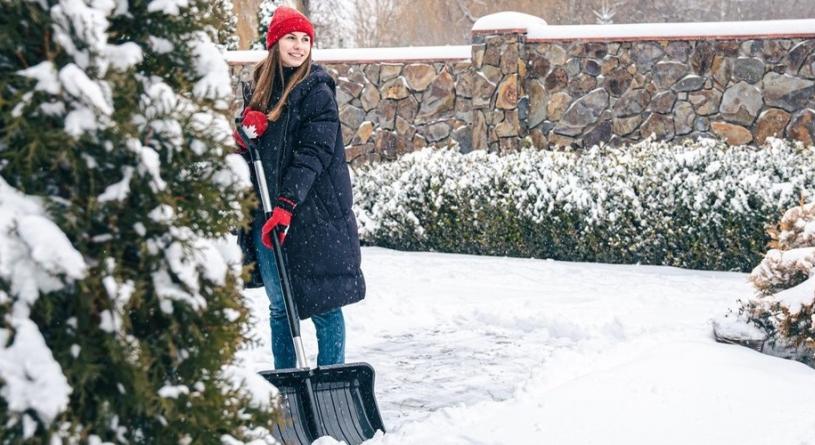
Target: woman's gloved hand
pixel 281 217
pixel 254 124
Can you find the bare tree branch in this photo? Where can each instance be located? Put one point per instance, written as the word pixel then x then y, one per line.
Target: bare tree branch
pixel 466 11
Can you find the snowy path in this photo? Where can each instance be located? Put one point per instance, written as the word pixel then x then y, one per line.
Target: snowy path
pixel 485 350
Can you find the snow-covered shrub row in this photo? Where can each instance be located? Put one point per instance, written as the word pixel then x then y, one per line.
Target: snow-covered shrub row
pixel 784 304
pixel 696 204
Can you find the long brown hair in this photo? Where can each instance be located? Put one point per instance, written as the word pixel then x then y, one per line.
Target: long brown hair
pixel 264 76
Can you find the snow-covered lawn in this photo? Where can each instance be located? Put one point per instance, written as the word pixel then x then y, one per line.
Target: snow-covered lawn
pixel 486 350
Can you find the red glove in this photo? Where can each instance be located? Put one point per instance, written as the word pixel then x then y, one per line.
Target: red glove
pixel 239 141
pixel 281 216
pixel 254 124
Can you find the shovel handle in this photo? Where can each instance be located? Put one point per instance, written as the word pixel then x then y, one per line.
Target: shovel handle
pixel 280 259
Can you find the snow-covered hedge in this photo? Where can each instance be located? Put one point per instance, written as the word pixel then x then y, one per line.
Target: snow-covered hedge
pixel 784 304
pixel 697 204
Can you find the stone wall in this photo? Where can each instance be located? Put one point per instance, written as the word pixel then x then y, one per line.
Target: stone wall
pixel 576 92
pixel 388 109
pixel 741 91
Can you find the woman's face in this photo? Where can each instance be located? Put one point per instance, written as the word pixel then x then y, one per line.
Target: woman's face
pixel 294 49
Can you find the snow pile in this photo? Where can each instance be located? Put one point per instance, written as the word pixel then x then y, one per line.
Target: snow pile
pixel 765 29
pixel 493 350
pixel 695 204
pixel 508 20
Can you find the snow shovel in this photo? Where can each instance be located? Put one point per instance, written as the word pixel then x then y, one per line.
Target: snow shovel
pixel 336 400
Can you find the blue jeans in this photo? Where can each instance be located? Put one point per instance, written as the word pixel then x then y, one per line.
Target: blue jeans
pixel 330 326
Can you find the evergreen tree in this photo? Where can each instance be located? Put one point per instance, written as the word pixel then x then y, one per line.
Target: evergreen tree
pixel 120 317
pixel 223 24
pixel 265 12
pixel 784 304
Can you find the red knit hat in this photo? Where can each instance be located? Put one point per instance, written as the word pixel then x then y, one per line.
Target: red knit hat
pixel 284 21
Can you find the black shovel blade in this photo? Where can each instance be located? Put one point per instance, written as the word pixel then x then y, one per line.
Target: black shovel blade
pixel 346 404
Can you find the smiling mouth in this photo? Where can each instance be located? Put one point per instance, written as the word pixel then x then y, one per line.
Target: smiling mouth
pixel 296 55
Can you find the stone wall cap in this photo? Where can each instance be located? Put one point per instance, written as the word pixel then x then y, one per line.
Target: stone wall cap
pixel 745 30
pixel 368 55
pixel 507 22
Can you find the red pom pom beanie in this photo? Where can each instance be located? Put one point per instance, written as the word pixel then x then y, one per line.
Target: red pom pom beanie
pixel 284 21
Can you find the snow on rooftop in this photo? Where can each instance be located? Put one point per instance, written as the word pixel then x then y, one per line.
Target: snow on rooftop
pixel 360 55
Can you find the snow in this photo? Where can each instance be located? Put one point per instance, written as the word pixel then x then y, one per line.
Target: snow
pixel 657 31
pixel 46 75
pixel 395 54
pixel 169 7
pixel 34 252
pixel 260 391
pixel 493 350
pixel 731 326
pixel 119 190
pixel 209 63
pixel 35 257
pixel 160 45
pixel 507 20
pixel 796 297
pixel 32 379
pixel 88 94
pixel 125 55
pixel 173 391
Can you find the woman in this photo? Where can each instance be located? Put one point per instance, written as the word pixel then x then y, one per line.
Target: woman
pixel 303 156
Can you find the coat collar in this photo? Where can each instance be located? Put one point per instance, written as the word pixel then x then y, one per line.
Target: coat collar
pixel 317 76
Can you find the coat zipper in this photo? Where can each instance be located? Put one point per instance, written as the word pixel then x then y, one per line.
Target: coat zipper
pixel 280 153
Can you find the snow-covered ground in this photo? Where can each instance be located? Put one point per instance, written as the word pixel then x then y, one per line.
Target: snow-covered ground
pixel 485 350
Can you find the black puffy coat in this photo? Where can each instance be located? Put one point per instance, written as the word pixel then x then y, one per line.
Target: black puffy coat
pixel 303 156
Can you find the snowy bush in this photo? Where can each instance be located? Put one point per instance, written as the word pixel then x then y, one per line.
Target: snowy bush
pixel 784 304
pixel 697 204
pixel 120 313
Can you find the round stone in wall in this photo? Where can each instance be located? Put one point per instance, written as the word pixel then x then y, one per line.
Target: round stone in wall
pixel 691 82
pixel 770 123
pixel 556 80
pixel 705 102
pixel 683 118
pixel 660 125
pixel 624 126
pixel 663 102
pixel 802 126
pixel 508 93
pixel 583 112
pixel 787 92
pixel 748 69
pixel 617 81
pixel 389 71
pixel 732 134
pixel 741 103
pixel 395 89
pixel 370 97
pixel 419 76
pixel 666 74
pixel 632 102
pixel 557 105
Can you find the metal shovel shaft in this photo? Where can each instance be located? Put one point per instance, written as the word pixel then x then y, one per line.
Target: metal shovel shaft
pixel 335 400
pixel 288 300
